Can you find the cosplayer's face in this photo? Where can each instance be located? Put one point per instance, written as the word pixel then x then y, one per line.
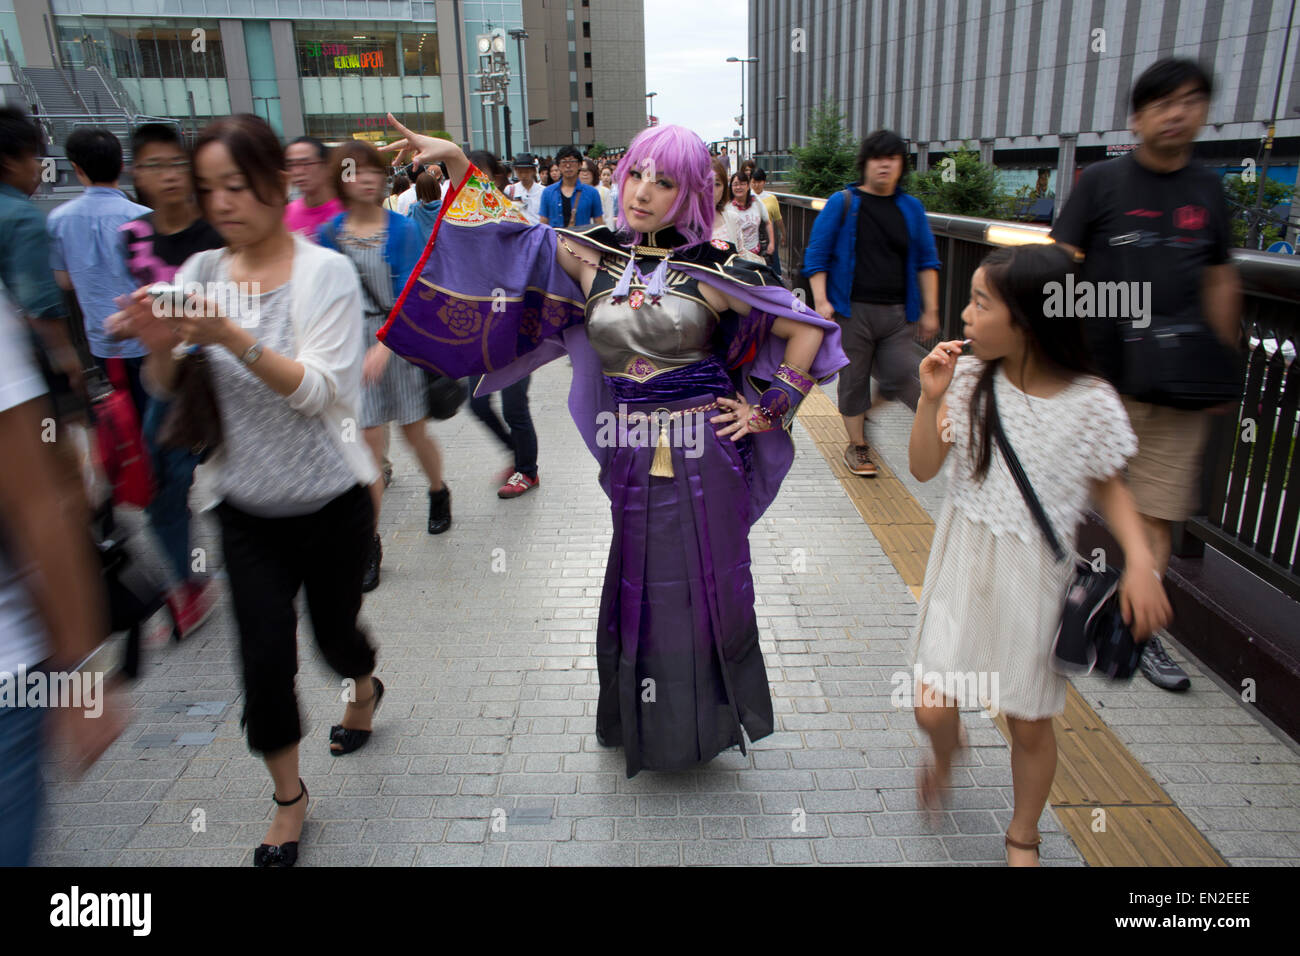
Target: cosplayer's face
pixel 647 198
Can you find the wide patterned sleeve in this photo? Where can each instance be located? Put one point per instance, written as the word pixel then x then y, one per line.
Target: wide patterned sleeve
pixel 487 289
pixel 1108 439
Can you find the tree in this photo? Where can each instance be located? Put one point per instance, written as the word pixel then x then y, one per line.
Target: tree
pixel 598 149
pixel 962 185
pixel 827 161
pixel 1241 204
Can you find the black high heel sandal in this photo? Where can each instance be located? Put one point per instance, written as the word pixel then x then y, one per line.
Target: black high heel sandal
pixel 348 739
pixel 286 854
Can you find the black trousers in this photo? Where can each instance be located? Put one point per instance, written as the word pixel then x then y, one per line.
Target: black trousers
pixel 268 560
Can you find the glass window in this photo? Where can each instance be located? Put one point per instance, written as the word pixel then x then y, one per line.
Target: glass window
pixel 420 52
pixel 131 49
pixel 336 127
pixel 347 48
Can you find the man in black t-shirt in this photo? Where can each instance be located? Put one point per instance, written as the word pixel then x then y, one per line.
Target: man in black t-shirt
pixel 155 246
pixel 1153 220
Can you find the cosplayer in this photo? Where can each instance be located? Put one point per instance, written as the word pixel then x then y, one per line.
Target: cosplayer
pixel 688 365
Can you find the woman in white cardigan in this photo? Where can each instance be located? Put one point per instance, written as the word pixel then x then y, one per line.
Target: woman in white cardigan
pixel 281 330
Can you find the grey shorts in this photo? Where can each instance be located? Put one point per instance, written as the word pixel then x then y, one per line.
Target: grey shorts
pixel 879 342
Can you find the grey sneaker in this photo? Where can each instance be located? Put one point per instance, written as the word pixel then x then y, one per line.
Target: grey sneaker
pixel 1159 668
pixel 857 459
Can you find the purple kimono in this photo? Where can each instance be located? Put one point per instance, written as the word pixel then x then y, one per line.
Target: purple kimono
pixel 677 647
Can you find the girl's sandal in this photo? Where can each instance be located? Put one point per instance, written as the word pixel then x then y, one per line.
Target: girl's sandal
pixel 1022 846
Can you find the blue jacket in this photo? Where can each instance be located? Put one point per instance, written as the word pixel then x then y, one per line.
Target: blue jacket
pixel 424 215
pixel 832 248
pixel 586 200
pixel 402 248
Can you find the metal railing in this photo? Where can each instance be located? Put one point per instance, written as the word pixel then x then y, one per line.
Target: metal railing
pixel 1251 472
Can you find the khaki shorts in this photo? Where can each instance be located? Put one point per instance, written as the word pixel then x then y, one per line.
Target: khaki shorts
pixel 1165 474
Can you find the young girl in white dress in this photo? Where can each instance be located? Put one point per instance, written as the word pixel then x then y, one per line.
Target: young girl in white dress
pixel 993 591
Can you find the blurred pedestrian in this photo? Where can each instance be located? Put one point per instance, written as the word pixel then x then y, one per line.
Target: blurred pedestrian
pixel 155 245
pixel 758 183
pixel 752 222
pixel 295 511
pixel 425 212
pixel 872 266
pixel 384 248
pixel 527 191
pixel 86 250
pixel 1151 220
pixel 51 603
pixel 309 174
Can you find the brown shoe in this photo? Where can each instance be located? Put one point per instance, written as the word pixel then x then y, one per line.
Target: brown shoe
pixel 857 460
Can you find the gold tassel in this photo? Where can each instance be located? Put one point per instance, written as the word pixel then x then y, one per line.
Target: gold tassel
pixel 662 466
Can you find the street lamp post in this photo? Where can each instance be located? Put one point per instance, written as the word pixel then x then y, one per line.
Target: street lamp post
pixel 418 97
pixel 519 37
pixel 742 60
pixel 651 113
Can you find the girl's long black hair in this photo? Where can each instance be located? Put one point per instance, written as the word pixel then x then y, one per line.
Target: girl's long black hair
pixel 1021 277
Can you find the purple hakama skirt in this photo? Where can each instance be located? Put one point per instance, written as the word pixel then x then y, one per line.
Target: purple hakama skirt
pixel 677 647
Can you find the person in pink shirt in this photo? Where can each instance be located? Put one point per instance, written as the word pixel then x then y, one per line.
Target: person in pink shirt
pixel 310 174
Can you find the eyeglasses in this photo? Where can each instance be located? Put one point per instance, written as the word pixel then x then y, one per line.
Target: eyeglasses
pixel 1191 101
pixel 568 162
pixel 303 163
pixel 179 165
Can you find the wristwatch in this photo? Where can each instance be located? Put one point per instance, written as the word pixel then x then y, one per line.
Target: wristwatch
pixel 252 354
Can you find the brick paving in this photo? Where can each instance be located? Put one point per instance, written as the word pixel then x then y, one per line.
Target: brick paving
pixel 484 750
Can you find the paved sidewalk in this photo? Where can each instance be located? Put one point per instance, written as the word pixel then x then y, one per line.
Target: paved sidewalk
pixel 484 751
pixel 1235 776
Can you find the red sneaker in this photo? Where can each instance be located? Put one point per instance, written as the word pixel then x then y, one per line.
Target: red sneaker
pixel 191 605
pixel 518 484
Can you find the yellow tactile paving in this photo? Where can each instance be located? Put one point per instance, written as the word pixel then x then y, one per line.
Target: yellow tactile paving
pixel 1115 812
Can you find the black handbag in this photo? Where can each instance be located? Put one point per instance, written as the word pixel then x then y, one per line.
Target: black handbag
pixel 1182 365
pixel 445 395
pixel 1092 634
pixel 192 422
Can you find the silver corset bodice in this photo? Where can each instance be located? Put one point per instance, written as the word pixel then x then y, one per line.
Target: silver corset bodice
pixel 640 343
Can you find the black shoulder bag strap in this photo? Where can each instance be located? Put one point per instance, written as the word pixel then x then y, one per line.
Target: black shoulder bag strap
pixel 1022 480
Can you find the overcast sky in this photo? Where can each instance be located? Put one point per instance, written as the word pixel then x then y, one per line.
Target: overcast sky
pixel 687 43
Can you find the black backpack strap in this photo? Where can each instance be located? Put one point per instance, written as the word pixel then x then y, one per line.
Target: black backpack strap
pixel 1022 480
pixel 848 202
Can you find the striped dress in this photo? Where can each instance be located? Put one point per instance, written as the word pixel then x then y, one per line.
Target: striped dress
pixel 993 591
pixel 400 396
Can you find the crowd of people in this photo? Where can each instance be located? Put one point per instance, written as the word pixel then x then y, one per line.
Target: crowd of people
pixel 660 278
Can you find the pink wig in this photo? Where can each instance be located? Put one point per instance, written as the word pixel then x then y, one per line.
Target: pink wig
pixel 681 156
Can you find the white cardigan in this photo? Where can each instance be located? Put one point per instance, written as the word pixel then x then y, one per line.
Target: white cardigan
pixel 327 326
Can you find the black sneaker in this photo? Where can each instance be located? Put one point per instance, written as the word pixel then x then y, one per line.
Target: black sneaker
pixel 440 510
pixel 371 579
pixel 1159 668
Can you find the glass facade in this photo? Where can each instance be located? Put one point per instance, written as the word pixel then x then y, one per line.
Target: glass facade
pixel 143 49
pixel 366 48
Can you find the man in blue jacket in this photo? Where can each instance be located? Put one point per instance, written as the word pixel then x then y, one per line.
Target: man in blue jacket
pixel 873 268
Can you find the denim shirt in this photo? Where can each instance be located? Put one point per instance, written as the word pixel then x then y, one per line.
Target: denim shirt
pixel 25 257
pixel 85 242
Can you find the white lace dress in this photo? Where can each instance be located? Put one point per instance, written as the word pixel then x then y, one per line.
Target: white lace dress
pixel 993 590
